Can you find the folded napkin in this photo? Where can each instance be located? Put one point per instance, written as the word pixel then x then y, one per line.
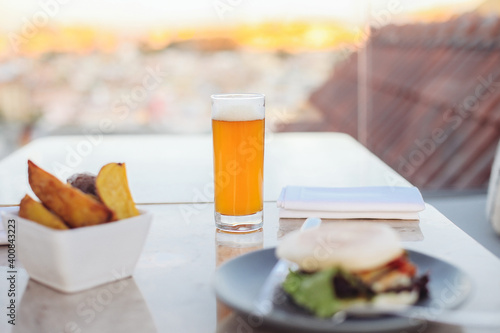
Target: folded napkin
pixel 384 202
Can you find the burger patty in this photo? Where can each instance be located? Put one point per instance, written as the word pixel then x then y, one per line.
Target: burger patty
pixel 418 284
pixel 345 289
pixel 397 276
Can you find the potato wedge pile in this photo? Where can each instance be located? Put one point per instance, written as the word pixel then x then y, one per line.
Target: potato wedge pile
pixel 85 200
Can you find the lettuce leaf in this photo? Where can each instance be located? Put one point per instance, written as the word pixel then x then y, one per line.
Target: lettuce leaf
pixel 315 292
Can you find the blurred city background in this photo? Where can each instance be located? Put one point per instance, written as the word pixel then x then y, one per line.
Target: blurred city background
pixel 416 82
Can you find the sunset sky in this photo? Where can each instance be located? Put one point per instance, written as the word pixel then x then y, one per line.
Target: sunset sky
pixel 144 14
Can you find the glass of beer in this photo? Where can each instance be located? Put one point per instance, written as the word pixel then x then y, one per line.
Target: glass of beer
pixel 238 138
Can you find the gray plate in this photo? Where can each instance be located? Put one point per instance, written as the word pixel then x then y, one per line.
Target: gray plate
pixel 238 281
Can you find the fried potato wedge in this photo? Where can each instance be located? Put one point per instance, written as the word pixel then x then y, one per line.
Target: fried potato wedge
pixel 37 212
pixel 112 189
pixel 76 208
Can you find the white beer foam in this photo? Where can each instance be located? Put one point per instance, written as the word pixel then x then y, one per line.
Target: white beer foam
pixel 246 108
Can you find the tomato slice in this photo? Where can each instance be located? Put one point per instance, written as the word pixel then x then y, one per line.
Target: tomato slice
pixel 403 265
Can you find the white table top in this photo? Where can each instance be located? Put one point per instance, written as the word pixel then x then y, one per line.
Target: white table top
pixel 171 290
pixel 178 169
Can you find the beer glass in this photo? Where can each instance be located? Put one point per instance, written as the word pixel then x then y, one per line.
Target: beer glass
pixel 238 139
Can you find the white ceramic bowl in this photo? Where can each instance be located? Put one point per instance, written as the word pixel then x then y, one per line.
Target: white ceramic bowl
pixel 82 258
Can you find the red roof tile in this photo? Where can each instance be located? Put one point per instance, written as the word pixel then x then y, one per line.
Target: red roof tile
pixel 434 114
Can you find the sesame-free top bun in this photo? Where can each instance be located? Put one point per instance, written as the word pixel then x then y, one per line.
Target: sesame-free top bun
pixel 353 246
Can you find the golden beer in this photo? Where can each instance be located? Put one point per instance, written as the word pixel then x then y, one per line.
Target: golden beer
pixel 238 141
pixel 238 165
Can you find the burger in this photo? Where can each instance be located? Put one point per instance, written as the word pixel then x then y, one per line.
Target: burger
pixel 347 264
